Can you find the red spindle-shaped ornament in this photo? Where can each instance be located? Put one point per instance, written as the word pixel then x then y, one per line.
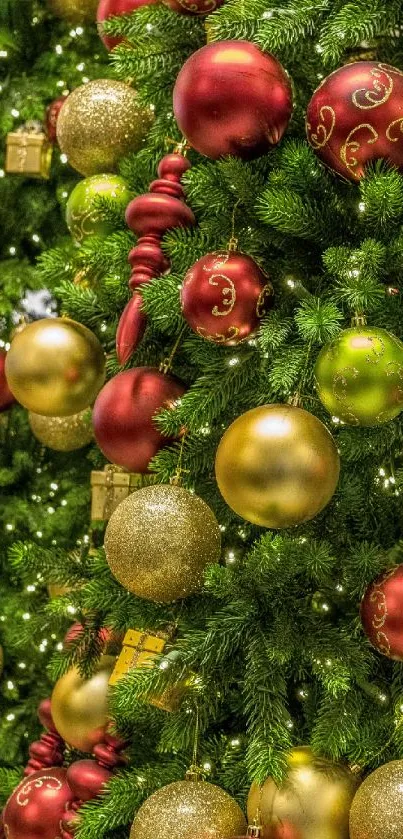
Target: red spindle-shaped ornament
pixel 150 216
pixel 87 779
pixel 48 751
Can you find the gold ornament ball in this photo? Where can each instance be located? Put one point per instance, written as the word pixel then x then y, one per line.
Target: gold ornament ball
pixel 189 810
pixel 99 123
pixel 377 809
pixel 277 466
pixel 55 367
pixel 80 706
pixel 313 802
pixel 160 540
pixel 75 11
pixel 359 376
pixel 63 434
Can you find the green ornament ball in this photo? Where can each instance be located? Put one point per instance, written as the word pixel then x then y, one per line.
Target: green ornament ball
pixel 359 376
pixel 84 217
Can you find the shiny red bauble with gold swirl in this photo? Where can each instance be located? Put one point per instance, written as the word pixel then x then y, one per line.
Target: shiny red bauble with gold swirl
pixel 124 416
pixel 224 296
pixel 197 8
pixel 230 97
pixel 6 397
pixel 355 117
pixel 115 8
pixel 382 613
pixel 36 807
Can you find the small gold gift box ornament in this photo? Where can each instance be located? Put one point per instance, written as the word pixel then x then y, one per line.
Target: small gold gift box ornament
pixel 29 152
pixel 111 487
pixel 140 649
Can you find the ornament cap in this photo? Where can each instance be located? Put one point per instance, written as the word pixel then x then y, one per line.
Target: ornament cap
pixel 194 773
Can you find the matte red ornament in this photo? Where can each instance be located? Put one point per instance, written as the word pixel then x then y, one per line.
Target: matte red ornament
pixel 382 613
pixel 197 8
pixel 35 808
pixel 230 97
pixel 6 397
pixel 123 416
pixel 114 8
pixel 224 296
pixel 52 115
pixel 355 117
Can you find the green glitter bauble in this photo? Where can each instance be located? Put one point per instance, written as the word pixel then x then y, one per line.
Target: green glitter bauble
pixel 359 376
pixel 84 217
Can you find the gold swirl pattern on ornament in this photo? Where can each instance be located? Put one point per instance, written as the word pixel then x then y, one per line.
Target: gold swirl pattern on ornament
pixel 28 786
pixel 340 385
pixel 351 146
pixel 391 126
pixel 265 295
pixel 394 71
pixel 383 643
pixel 207 6
pixel 374 356
pixel 379 94
pixel 378 600
pixel 6 831
pixel 219 338
pixel 392 368
pixel 322 135
pixel 80 221
pixel 228 294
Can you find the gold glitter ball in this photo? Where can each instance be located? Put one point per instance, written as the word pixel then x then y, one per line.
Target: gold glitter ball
pixel 377 809
pixel 75 11
pixel 63 434
pixel 99 123
pixel 189 810
pixel 159 541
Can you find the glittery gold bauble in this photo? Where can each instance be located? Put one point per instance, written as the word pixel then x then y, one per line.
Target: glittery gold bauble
pixel 159 541
pixel 377 809
pixel 55 367
pixel 189 810
pixel 277 466
pixel 359 376
pixel 80 706
pixel 99 123
pixel 312 803
pixel 75 11
pixel 63 434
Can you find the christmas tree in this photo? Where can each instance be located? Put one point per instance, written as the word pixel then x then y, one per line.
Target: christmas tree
pixel 248 302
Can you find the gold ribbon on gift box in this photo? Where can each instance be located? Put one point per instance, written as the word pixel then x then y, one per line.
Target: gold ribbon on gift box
pixel 140 649
pixel 111 487
pixel 29 151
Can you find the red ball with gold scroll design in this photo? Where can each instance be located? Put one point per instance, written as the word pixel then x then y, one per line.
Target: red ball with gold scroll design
pixel 355 116
pixel 224 296
pixel 382 613
pixel 197 8
pixel 36 807
pixel 230 97
pixel 124 414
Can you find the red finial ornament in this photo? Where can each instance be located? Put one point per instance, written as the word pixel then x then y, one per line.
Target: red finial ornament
pixel 150 216
pixel 48 751
pixel 87 778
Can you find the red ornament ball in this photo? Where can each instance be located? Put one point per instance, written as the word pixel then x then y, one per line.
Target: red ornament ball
pixel 115 8
pixel 230 97
pixel 382 613
pixel 355 116
pixel 52 115
pixel 36 807
pixel 6 397
pixel 197 8
pixel 224 296
pixel 123 416
pixel 87 778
